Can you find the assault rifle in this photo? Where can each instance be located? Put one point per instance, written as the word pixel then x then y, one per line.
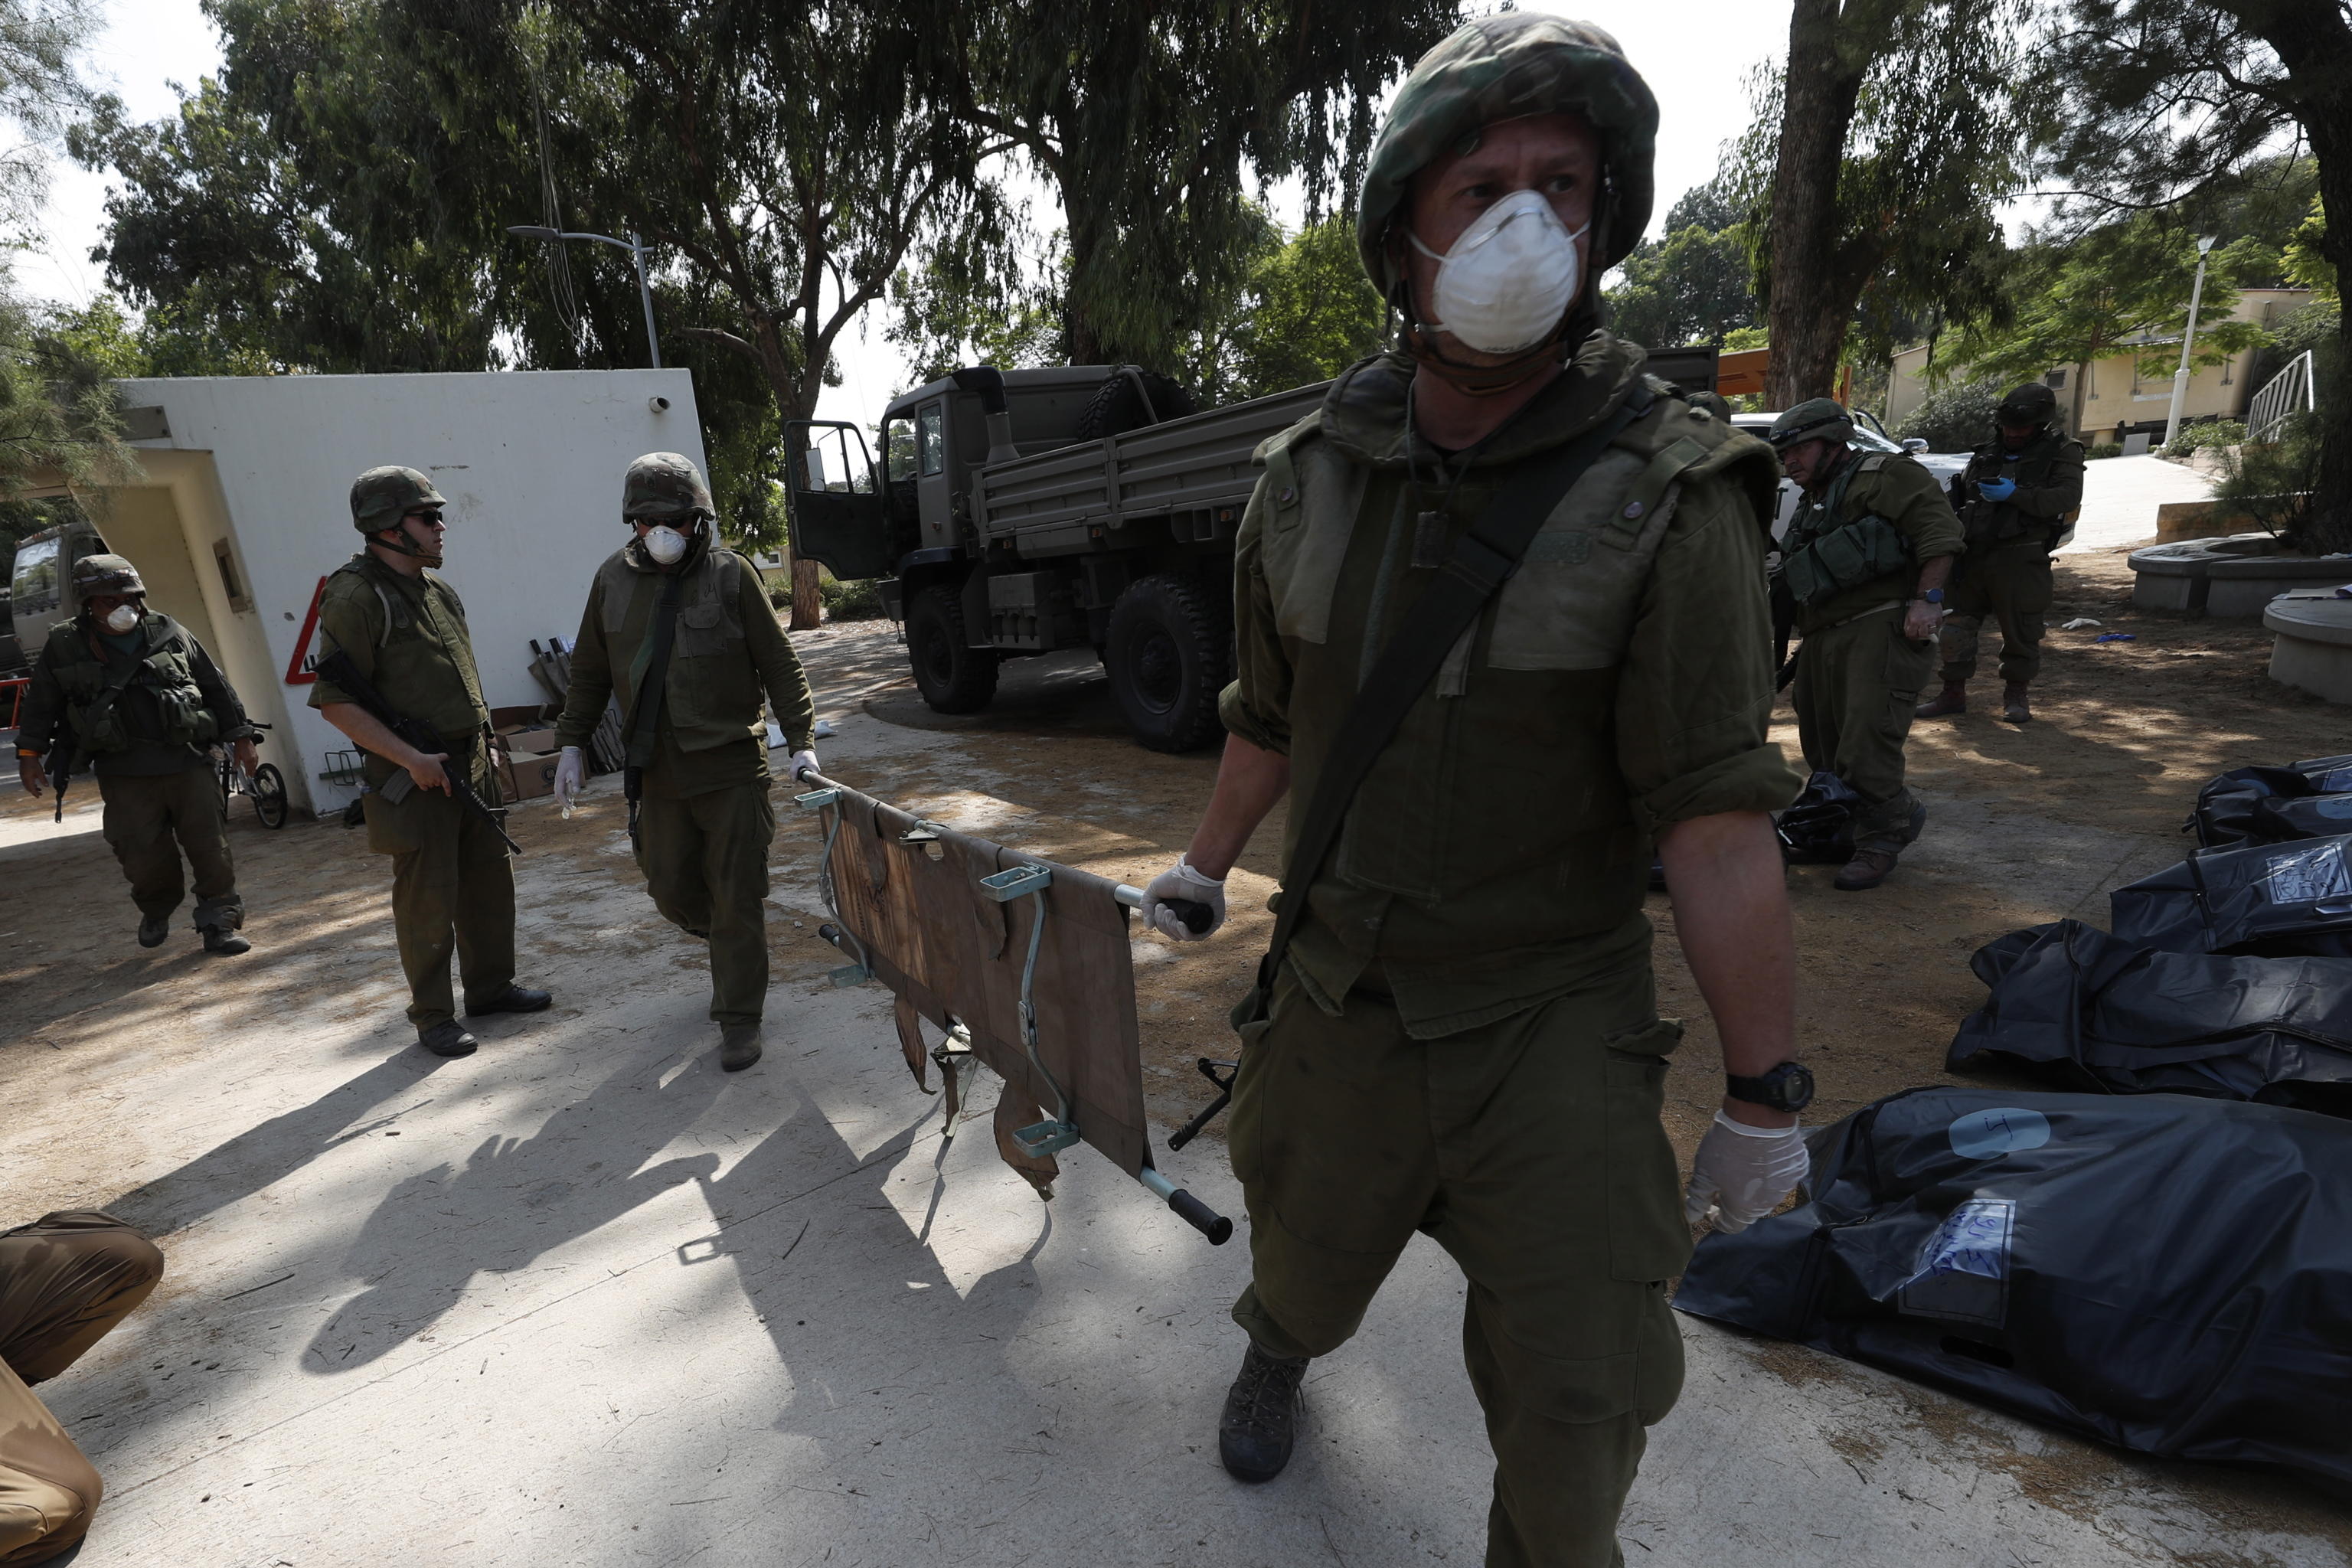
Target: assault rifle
pixel 59 765
pixel 337 669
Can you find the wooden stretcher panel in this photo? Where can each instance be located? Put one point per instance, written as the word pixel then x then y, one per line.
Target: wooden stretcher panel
pixel 935 938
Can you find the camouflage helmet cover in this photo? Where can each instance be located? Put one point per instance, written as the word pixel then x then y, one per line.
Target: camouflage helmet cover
pixel 1816 418
pixel 106 574
pixel 664 484
pixel 1508 67
pixel 2031 404
pixel 381 496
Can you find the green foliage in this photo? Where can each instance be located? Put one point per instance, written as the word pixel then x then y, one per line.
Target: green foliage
pixel 1148 121
pixel 1305 314
pixel 1955 419
pixel 2205 434
pixel 1692 287
pixel 2121 289
pixel 858 601
pixel 2306 265
pixel 2098 449
pixel 2274 483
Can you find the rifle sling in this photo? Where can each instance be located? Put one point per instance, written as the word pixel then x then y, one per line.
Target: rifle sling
pixel 654 687
pixel 1486 556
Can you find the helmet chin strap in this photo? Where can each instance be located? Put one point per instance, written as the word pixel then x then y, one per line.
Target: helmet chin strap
pixel 401 544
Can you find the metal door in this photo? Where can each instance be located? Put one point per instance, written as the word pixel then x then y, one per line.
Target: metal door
pixel 834 511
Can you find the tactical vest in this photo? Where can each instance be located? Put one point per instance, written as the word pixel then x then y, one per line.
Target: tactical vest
pixel 1499 806
pixel 93 697
pixel 1826 552
pixel 1987 522
pixel 423 653
pixel 713 693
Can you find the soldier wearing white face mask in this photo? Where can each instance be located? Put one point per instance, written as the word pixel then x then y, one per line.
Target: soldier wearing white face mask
pixel 1501 628
pixel 136 693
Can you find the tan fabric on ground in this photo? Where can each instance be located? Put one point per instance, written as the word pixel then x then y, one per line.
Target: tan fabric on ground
pixel 64 1280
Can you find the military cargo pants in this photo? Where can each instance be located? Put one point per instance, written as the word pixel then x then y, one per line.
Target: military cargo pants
pixel 1856 685
pixel 151 820
pixel 1531 1149
pixel 64 1280
pixel 452 892
pixel 705 858
pixel 2010 583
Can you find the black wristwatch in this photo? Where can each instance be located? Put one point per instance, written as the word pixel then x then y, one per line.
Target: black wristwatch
pixel 1789 1087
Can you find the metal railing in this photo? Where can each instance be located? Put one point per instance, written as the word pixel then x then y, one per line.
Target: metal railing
pixel 2291 391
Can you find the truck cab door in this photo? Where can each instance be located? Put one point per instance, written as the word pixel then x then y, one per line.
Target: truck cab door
pixel 832 506
pixel 934 481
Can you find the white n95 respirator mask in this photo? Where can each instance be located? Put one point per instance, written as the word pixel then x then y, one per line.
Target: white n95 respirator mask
pixel 121 619
pixel 1509 279
pixel 664 545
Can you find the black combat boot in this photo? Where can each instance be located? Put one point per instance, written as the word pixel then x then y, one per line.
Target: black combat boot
pixel 154 929
pixel 739 1045
pixel 447 1039
pixel 513 999
pixel 2012 703
pixel 225 942
pixel 1261 1418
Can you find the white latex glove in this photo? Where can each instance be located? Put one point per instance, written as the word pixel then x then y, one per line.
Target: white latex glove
pixel 570 776
pixel 1742 1173
pixel 800 760
pixel 1180 881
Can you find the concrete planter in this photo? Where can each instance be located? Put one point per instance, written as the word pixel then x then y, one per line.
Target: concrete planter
pixel 2236 576
pixel 2312 650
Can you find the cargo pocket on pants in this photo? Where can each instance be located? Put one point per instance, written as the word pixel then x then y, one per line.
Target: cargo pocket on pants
pixel 1648 1238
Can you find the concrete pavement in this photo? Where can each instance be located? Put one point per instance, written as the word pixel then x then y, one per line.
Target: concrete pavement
pixel 2120 496
pixel 580 1299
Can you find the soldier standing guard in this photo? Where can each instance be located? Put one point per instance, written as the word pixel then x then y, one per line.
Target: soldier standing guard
pixel 2016 492
pixel 1456 1031
pixel 681 627
pixel 452 889
pixel 1865 560
pixel 142 699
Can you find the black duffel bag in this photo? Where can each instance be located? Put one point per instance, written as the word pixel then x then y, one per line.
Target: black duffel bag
pixel 2170 1275
pixel 2310 799
pixel 2090 1012
pixel 2275 900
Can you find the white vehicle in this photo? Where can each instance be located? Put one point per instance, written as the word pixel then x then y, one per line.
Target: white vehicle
pixel 1868 437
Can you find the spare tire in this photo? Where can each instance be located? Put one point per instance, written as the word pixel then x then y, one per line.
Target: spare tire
pixel 1169 656
pixel 1119 406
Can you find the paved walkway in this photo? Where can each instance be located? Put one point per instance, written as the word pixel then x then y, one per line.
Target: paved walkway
pixel 2120 496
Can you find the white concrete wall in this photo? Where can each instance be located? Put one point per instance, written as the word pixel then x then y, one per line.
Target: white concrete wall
pixel 531 464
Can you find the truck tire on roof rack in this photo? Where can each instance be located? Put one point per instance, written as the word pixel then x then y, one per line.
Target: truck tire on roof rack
pixel 952 676
pixel 1120 403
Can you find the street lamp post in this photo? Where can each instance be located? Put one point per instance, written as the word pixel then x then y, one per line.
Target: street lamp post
pixel 638 252
pixel 2187 343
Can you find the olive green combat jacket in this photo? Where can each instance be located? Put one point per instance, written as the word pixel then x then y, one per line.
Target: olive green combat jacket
pixel 173 705
pixel 1499 852
pixel 2049 475
pixel 407 635
pixel 1888 485
pixel 726 653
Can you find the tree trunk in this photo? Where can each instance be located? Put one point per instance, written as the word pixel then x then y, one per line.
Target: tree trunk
pixel 805 608
pixel 2081 391
pixel 2312 39
pixel 1806 331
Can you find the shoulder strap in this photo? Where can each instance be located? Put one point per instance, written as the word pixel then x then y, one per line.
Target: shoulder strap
pixel 655 685
pixel 1483 559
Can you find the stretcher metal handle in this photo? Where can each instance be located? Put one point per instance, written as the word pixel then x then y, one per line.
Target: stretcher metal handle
pixel 1197 916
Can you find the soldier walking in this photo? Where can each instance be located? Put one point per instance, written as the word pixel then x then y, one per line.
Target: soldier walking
pixel 1864 561
pixel 2016 494
pixel 1536 577
pixel 137 695
pixel 404 629
pixel 680 626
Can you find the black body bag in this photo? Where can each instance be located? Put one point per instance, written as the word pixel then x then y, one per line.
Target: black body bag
pixel 2090 1012
pixel 2273 899
pixel 2170 1275
pixel 2275 806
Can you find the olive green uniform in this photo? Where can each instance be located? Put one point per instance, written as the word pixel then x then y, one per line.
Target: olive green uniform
pixel 452 887
pixel 1464 1039
pixel 148 748
pixel 1858 676
pixel 64 1280
pixel 704 821
pixel 2006 572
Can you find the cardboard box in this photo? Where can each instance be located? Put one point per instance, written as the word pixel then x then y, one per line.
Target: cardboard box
pixel 527 775
pixel 521 716
pixel 521 741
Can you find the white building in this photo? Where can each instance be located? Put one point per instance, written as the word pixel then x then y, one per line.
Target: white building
pixel 244 508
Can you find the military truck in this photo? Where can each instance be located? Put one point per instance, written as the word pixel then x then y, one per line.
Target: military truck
pixel 41 591
pixel 1030 512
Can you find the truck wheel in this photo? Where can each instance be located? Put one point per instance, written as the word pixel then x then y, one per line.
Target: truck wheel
pixel 1169 655
pixel 953 676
